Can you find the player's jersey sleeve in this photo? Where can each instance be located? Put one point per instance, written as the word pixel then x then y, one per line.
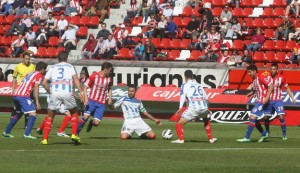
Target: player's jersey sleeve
pixel 119 102
pixel 39 78
pixel 142 108
pixel 90 81
pixel 182 95
pixel 266 79
pixel 49 73
pixel 284 82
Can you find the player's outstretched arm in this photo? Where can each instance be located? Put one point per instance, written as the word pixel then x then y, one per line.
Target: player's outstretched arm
pixel 109 96
pixel 290 93
pixel 45 85
pixel 157 121
pixel 36 95
pixel 270 90
pixel 77 83
pixel 86 101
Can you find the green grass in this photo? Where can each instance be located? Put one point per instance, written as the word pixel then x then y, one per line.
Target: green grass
pixel 103 151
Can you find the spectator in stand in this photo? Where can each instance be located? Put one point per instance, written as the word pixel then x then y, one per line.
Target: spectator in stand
pixel 204 23
pixel 295 54
pixel 1 75
pixel 149 51
pixel 110 47
pixel 131 11
pixel 6 7
pixel 235 59
pixel 30 38
pixel 123 36
pixel 216 24
pixel 99 49
pixel 206 11
pixel 20 27
pixel 170 29
pixel 90 9
pixel 256 41
pixel 284 29
pixel 45 10
pixel 74 7
pixel 102 8
pixel 293 7
pixel 114 31
pixel 68 39
pixel 224 57
pixel 17 46
pixel 41 35
pixel 89 47
pixel 226 15
pixel 138 51
pixel 210 56
pixel 191 29
pixel 25 9
pixel 244 31
pixel 202 40
pixel 214 46
pixel 236 2
pixel 17 5
pixel 62 25
pixel 213 34
pixel 51 25
pixel 104 32
pixel 36 13
pixel 295 35
pixel 233 30
pixel 193 3
pixel 151 26
pixel 153 9
pixel 160 27
pixel 40 2
pixel 246 59
pixel 166 9
pixel 143 7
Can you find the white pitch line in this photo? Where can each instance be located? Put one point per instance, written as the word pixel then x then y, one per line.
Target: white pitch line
pixel 153 149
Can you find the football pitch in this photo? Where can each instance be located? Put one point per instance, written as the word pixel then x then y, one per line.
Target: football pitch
pixel 102 151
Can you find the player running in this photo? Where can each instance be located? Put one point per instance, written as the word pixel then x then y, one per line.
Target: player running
pixel 262 87
pixel 61 77
pixel 100 84
pixel 131 108
pixel 23 102
pixel 198 107
pixel 276 103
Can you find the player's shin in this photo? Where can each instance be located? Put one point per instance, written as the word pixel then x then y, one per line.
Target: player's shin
pixel 81 124
pixel 267 124
pixel 259 127
pixel 208 129
pixel 64 124
pixel 43 124
pixel 13 120
pixel 74 122
pixel 30 123
pixel 283 126
pixel 179 131
pixel 250 128
pixel 47 127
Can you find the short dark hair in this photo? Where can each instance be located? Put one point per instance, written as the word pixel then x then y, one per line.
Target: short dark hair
pixel 106 65
pixel 26 54
pixel 274 64
pixel 132 86
pixel 252 68
pixel 41 65
pixel 188 74
pixel 62 56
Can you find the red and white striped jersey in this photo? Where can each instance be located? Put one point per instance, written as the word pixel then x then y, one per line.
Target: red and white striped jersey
pixel 260 85
pixel 279 81
pixel 99 86
pixel 27 84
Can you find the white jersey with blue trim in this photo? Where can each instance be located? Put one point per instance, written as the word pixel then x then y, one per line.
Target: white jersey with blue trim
pixel 61 77
pixel 131 107
pixel 195 94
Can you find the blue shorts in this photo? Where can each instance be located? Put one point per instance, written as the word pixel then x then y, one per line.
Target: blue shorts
pixel 258 109
pixel 96 109
pixel 275 106
pixel 24 104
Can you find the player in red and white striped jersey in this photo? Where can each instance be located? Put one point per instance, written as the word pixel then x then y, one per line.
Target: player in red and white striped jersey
pixel 100 84
pixel 23 102
pixel 276 104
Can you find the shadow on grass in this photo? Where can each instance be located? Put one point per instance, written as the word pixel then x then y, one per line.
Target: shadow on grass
pixel 103 138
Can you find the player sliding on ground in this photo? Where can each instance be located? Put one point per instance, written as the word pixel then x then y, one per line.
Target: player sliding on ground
pixel 99 84
pixel 276 104
pixel 198 107
pixel 61 77
pixel 131 108
pixel 23 102
pixel 262 86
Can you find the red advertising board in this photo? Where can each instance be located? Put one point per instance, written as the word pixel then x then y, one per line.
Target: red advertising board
pixel 5 88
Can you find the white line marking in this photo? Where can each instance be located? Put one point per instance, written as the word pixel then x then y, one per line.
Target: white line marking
pixel 154 149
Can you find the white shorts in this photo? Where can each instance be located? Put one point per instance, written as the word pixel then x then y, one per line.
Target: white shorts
pixel 56 99
pixel 191 113
pixel 136 125
pixel 61 107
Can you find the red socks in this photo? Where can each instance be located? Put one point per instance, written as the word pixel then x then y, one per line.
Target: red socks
pixel 179 131
pixel 43 123
pixel 64 124
pixel 74 122
pixel 208 129
pixel 47 127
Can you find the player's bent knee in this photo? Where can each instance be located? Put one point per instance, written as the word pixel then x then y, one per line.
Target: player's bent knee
pixel 150 135
pixel 124 136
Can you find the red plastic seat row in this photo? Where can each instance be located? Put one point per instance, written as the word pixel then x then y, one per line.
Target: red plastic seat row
pixel 92 21
pixel 50 52
pixel 262 23
pixel 189 11
pixel 270 56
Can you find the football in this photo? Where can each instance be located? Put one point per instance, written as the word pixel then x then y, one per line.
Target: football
pixel 167 134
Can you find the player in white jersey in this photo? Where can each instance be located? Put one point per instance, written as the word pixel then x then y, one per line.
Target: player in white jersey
pixel 62 75
pixel 133 122
pixel 198 107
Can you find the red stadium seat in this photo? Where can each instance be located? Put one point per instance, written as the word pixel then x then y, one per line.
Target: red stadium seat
pixel 289 45
pixel 220 3
pixel 279 3
pixel 280 57
pixel 277 22
pixel 82 32
pixel 292 66
pixel 258 56
pixel 194 55
pixel 279 45
pixel 268 12
pixel 268 23
pixel 165 43
pixel 75 20
pixel 269 33
pixel 249 22
pixel 260 64
pixel 185 21
pixel 187 11
pixel 237 45
pixel 52 52
pixel 269 56
pixel 195 11
pixel 258 22
pixel 84 21
pixel 136 21
pixel 2 29
pixel 268 45
pixel 41 52
pixel 278 12
pixel 53 41
pixel 174 54
pixel 178 21
pixel 2 20
pixel 175 44
pixel 257 2
pixel 217 11
pixel 247 12
pixel 246 3
pixel 155 41
pixel 185 43
pixel 94 21
pixel 9 19
pixel 123 54
pixel 5 40
pixel 59 49
pixel 237 12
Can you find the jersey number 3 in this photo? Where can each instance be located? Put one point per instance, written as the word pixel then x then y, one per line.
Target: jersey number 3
pixel 61 73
